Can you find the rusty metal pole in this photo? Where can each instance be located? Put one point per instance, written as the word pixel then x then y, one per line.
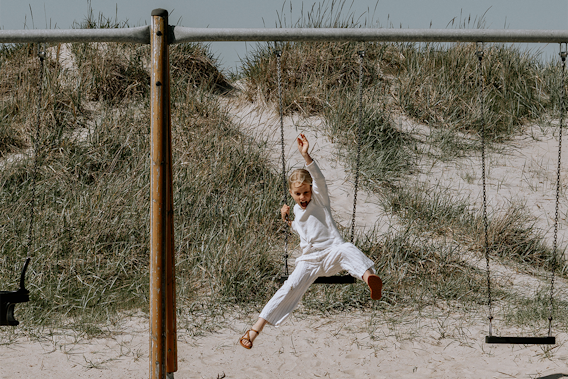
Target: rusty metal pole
pixel 161 207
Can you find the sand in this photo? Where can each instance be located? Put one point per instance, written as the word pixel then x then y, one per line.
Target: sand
pixel 435 344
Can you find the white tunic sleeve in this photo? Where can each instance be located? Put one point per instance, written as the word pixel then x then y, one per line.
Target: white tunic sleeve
pixel 319 186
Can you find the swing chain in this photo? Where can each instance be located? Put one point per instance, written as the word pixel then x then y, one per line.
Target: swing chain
pixel 555 240
pixel 480 51
pixel 361 54
pixel 481 86
pixel 41 56
pixel 278 54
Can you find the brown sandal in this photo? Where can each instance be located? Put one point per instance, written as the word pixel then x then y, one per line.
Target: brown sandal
pixel 246 337
pixel 376 286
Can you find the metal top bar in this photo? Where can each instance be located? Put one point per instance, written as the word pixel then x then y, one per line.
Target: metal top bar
pixel 139 34
pixel 183 34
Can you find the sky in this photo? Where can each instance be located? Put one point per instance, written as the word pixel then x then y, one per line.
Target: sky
pixel 413 14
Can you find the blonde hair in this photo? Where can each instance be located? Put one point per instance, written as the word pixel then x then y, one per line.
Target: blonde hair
pixel 299 176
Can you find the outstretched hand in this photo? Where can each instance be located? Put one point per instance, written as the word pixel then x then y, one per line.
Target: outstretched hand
pixel 285 213
pixel 303 146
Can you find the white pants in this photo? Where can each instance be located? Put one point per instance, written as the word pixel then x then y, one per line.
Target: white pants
pixel 330 261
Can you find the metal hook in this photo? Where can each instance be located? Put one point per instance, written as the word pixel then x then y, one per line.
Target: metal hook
pixel 40 51
pixel 563 54
pixel 480 51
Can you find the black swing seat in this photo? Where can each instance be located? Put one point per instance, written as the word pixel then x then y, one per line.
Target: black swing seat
pixel 8 299
pixel 550 340
pixel 335 279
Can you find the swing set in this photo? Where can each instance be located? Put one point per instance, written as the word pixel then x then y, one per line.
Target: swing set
pixel 163 348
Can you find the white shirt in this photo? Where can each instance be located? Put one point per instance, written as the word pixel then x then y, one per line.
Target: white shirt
pixel 314 225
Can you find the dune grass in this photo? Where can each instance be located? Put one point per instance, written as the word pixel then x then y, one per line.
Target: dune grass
pixel 439 86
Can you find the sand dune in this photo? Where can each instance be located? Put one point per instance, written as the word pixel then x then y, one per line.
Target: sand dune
pixel 437 343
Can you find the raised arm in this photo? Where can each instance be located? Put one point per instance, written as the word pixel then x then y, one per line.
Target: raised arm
pixel 303 146
pixel 285 213
pixel 319 187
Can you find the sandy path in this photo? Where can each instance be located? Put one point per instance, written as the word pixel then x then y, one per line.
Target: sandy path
pixel 522 172
pixel 264 125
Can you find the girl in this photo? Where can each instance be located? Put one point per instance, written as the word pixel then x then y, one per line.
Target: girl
pixel 324 252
